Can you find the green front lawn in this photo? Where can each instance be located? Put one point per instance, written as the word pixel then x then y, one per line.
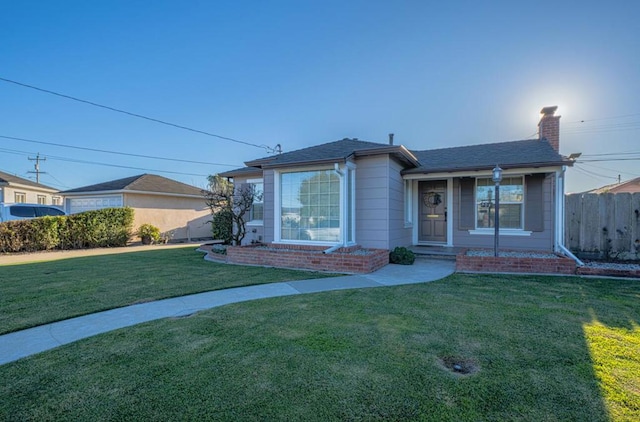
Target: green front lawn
pixel 42 292
pixel 536 349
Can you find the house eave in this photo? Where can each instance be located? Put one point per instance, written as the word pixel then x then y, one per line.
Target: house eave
pixel 29 187
pixel 398 151
pixel 125 191
pixel 451 170
pixel 480 172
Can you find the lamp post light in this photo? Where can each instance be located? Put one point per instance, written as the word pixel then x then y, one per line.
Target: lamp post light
pixel 497 178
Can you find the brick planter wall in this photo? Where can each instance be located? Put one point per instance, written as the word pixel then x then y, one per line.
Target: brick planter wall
pixel 608 272
pixel 345 260
pixel 501 264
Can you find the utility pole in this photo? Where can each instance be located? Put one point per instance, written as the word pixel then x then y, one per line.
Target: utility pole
pixel 37 166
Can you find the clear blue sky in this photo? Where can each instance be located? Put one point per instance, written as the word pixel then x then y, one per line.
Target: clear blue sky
pixel 300 73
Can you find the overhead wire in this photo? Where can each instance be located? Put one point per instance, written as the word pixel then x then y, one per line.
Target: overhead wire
pixel 603 118
pixel 610 169
pixel 117 152
pixel 72 160
pixel 140 116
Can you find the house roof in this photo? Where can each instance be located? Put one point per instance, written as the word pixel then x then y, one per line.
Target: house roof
pixel 244 171
pixel 141 183
pixel 8 179
pixel 630 186
pixel 514 154
pixel 332 152
pixel 526 153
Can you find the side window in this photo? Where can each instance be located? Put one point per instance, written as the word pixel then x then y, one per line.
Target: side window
pixel 44 211
pixel 25 212
pixel 257 209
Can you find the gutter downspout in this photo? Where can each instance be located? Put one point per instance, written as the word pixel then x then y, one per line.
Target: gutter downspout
pixel 336 169
pixel 560 226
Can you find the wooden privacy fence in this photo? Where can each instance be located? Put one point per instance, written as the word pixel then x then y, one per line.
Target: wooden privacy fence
pixel 604 225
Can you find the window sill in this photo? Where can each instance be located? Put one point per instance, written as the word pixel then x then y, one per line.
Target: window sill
pixel 507 232
pixel 255 223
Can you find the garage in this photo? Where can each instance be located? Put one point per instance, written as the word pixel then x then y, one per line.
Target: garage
pixel 90 203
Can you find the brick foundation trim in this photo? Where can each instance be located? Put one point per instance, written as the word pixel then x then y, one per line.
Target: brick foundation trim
pixel 351 259
pixel 501 264
pixel 609 272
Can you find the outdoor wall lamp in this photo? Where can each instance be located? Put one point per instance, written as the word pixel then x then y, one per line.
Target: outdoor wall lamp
pixel 497 178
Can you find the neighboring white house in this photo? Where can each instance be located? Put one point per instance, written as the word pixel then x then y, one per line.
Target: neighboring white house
pixel 170 205
pixel 15 190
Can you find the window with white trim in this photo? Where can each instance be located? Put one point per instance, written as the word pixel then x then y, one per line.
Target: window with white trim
pixel 256 213
pixel 408 203
pixel 310 206
pixel 19 197
pixel 42 199
pixel 511 203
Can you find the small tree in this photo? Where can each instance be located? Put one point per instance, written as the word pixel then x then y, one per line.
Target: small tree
pixel 235 201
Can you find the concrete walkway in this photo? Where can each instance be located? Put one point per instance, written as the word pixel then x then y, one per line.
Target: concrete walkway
pixel 19 344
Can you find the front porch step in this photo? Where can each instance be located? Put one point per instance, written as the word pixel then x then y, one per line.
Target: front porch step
pixel 435 252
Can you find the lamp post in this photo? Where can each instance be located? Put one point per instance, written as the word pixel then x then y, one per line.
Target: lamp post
pixel 497 178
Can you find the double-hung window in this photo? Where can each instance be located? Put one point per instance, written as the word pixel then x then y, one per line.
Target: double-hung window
pixel 511 203
pixel 256 213
pixel 19 197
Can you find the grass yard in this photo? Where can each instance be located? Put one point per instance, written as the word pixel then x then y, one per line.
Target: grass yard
pixel 42 292
pixel 526 348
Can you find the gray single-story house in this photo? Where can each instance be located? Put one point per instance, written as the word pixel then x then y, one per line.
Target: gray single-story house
pixel 354 192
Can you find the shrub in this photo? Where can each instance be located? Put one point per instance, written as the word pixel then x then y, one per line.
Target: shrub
pixel 148 233
pixel 108 227
pixel 401 255
pixel 222 226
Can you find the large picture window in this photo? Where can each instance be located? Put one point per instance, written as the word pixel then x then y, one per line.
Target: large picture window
pixel 511 203
pixel 310 206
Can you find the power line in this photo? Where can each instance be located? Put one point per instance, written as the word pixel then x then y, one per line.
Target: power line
pixel 117 152
pixel 604 118
pixel 609 159
pixel 71 160
pixel 592 174
pixel 610 169
pixel 140 116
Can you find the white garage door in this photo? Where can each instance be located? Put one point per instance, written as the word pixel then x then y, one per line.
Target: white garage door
pixel 76 205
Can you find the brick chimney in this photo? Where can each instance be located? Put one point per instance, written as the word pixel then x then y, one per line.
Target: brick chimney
pixel 549 127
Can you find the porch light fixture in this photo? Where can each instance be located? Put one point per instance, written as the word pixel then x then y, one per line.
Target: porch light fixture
pixel 497 178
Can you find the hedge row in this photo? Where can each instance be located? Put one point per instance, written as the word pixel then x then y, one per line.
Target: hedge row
pixel 109 227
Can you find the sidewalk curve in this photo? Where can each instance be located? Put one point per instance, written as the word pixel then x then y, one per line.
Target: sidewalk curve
pixel 19 344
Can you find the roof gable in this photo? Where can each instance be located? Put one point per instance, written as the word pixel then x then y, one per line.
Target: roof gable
pixel 333 151
pixel 140 183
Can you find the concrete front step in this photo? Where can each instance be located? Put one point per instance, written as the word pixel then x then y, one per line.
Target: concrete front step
pixel 436 252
